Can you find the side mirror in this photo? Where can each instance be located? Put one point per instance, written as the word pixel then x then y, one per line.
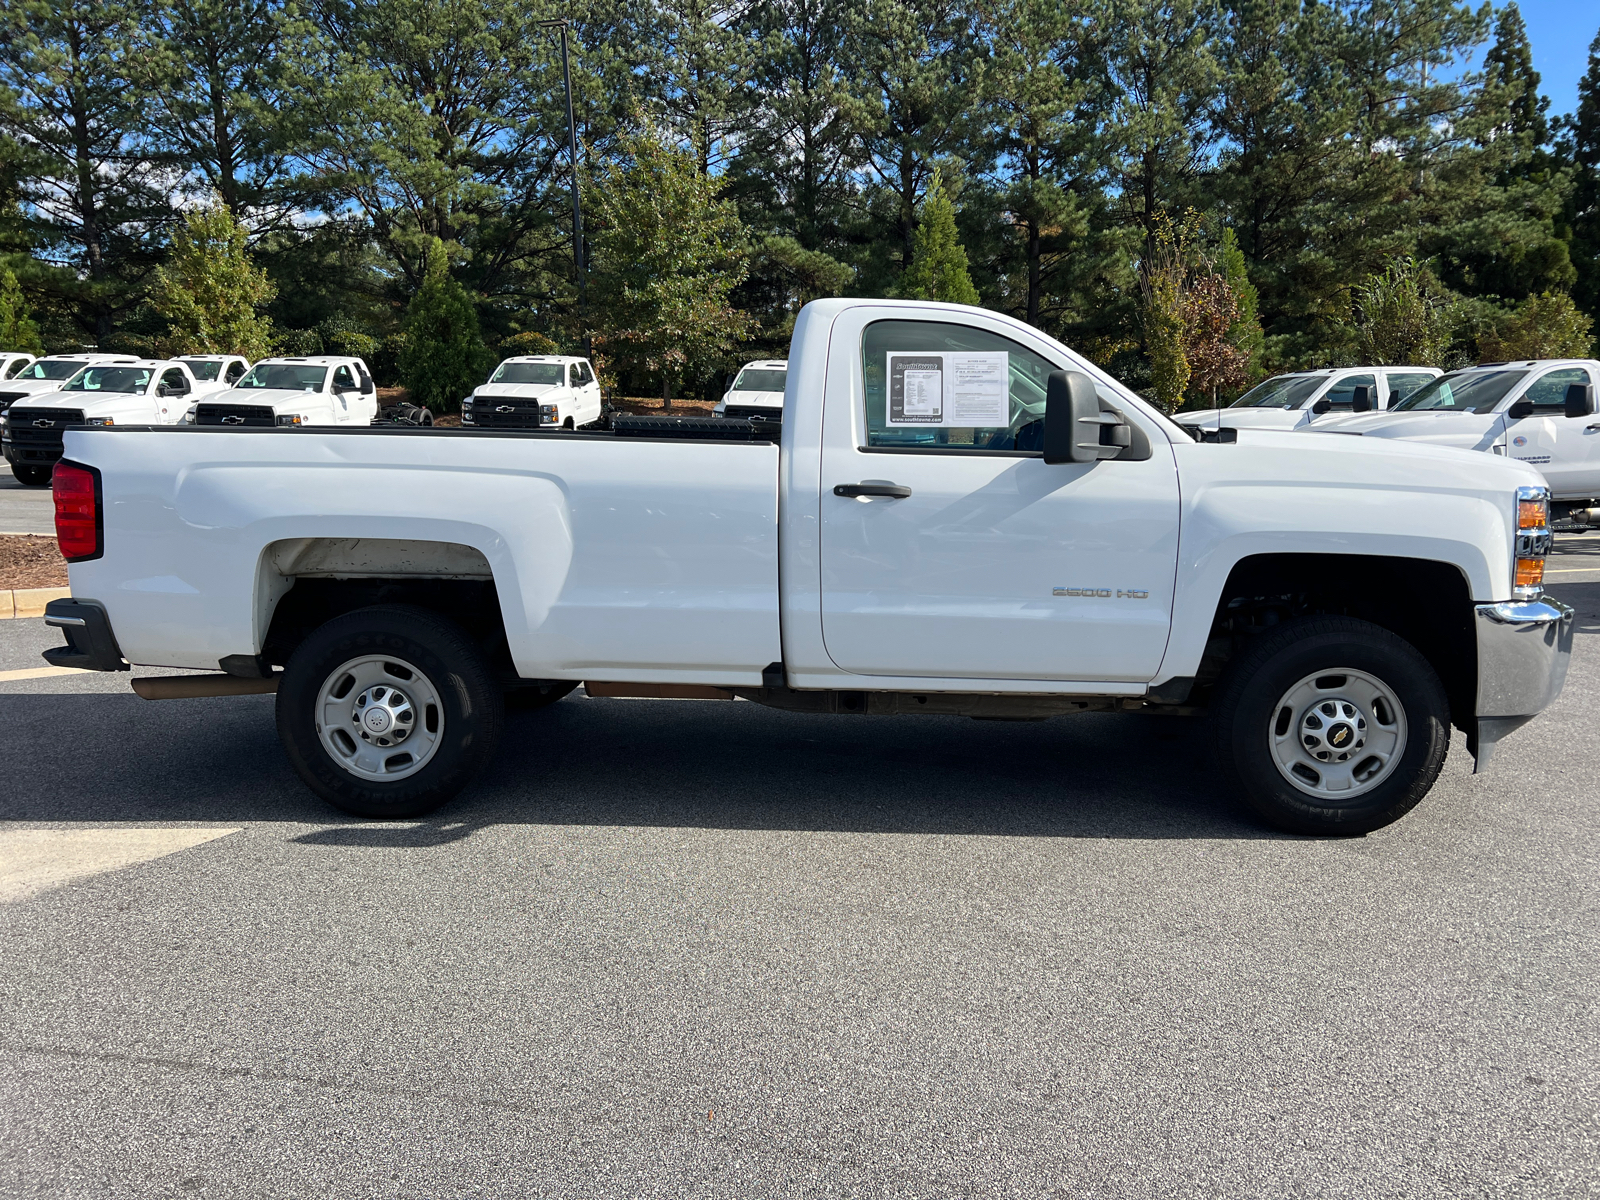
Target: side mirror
pixel 1579 400
pixel 1394 397
pixel 163 390
pixel 1361 399
pixel 1321 406
pixel 1077 428
pixel 1522 408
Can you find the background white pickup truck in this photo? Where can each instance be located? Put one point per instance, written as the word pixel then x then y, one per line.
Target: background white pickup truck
pixel 1295 400
pixel 321 390
pixel 141 391
pixel 757 391
pixel 535 390
pixel 963 518
pixel 1539 412
pixel 49 373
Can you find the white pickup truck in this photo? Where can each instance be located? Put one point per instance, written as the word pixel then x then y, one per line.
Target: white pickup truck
pixel 321 390
pixel 1300 398
pixel 757 390
pixel 1540 412
pixel 137 391
pixel 962 518
pixel 533 391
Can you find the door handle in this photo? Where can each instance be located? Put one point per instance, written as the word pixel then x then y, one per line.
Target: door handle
pixel 893 491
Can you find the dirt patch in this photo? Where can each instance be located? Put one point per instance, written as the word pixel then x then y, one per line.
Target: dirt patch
pixel 653 407
pixel 31 562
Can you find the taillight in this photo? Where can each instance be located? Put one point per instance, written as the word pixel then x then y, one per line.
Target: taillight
pixel 77 496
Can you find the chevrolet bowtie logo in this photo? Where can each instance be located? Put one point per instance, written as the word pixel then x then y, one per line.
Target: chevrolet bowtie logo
pixel 505 408
pixel 233 420
pixel 43 424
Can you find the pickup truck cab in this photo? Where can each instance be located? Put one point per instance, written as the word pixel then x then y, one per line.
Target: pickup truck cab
pixel 533 391
pixel 960 517
pixel 320 390
pixel 1540 412
pixel 11 365
pixel 1295 400
pixel 49 373
pixel 757 390
pixel 215 372
pixel 141 391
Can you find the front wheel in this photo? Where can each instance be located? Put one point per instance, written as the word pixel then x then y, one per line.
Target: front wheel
pixel 1329 725
pixel 33 476
pixel 388 711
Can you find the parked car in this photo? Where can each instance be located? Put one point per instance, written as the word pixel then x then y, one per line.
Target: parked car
pixel 215 372
pixel 324 390
pixel 757 390
pixel 138 392
pixel 1033 558
pixel 533 391
pixel 1537 411
pixel 1301 397
pixel 49 373
pixel 11 364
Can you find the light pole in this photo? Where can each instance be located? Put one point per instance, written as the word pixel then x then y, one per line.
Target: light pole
pixel 577 209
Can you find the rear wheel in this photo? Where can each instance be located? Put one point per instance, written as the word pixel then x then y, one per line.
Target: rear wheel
pixel 1329 725
pixel 388 711
pixel 33 476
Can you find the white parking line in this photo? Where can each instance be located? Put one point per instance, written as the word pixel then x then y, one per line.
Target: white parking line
pixel 35 860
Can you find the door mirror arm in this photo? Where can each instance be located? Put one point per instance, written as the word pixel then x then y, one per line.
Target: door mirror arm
pixel 1519 410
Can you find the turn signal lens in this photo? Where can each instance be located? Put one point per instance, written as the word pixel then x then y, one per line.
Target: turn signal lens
pixel 1532 514
pixel 1530 572
pixel 77 495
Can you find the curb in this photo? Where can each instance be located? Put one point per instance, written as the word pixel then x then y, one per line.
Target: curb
pixel 29 602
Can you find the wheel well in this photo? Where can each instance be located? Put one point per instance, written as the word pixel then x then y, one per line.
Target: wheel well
pixel 1427 603
pixel 310 602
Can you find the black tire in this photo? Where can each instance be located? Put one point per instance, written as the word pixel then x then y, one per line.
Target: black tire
pixel 1246 715
pixel 468 696
pixel 33 476
pixel 530 697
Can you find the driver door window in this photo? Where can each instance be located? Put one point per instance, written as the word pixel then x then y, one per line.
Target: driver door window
pixel 235 373
pixel 1341 396
pixel 1549 392
pixel 342 378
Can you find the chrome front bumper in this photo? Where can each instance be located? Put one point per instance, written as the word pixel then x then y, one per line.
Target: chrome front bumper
pixel 1524 647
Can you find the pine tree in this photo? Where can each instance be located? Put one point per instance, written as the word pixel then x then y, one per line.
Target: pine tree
pixel 18 331
pixel 1584 207
pixel 443 357
pixel 938 268
pixel 1508 66
pixel 1245 331
pixel 668 250
pixel 210 292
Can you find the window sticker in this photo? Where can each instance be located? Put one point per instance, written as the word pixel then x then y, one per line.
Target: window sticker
pixel 957 389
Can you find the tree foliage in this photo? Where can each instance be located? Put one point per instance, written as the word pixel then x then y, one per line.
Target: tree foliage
pixel 1548 325
pixel 18 329
pixel 1399 321
pixel 209 292
pixel 938 269
pixel 443 355
pixel 668 252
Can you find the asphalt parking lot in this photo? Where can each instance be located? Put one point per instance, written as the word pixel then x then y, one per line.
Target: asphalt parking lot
pixel 24 509
pixel 701 949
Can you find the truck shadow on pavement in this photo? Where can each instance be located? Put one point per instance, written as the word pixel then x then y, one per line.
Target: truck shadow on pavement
pixel 663 764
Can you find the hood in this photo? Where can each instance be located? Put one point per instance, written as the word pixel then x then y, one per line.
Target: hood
pixel 767 399
pixel 1462 430
pixel 1247 418
pixel 517 391
pixel 1304 454
pixel 31 387
pixel 88 401
pixel 268 397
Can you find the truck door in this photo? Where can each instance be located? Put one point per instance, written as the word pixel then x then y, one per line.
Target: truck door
pixel 946 551
pixel 1565 449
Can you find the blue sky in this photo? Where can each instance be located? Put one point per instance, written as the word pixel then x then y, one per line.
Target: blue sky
pixel 1561 31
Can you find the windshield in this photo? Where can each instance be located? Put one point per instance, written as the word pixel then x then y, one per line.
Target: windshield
pixel 290 377
pixel 515 372
pixel 203 370
pixel 760 381
pixel 1281 391
pixel 1465 391
pixel 45 369
pixel 110 379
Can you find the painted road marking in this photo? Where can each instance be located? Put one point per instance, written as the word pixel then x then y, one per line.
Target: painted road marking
pixel 40 673
pixel 35 860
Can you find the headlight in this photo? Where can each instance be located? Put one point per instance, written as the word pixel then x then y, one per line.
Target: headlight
pixel 467 403
pixel 188 417
pixel 1532 542
pixel 549 414
pixel 99 421
pixel 290 419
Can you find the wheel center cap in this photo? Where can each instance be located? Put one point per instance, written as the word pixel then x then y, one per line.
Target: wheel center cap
pixel 377 720
pixel 1340 736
